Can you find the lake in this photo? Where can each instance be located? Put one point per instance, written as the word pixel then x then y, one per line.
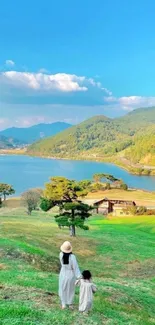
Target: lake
pixel 25 172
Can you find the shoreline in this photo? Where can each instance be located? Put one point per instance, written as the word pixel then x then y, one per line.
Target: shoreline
pixel 110 160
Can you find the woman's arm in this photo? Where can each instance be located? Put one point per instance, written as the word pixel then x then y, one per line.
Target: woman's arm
pixel 75 267
pixel 60 257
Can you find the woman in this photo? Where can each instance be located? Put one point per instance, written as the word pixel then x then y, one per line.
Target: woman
pixel 68 274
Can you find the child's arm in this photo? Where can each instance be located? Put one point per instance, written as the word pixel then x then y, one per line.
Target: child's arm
pixel 77 283
pixel 94 288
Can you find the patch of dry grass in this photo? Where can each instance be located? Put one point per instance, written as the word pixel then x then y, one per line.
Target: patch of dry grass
pixel 3 266
pixel 40 298
pixel 140 197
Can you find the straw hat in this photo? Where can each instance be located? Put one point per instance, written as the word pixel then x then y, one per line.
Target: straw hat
pixel 66 247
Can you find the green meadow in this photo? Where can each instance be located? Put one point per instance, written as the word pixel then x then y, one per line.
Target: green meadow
pixel 120 252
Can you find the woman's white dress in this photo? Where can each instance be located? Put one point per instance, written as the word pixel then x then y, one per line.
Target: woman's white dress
pixel 87 288
pixel 68 274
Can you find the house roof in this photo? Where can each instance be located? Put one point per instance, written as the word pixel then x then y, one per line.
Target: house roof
pixel 114 201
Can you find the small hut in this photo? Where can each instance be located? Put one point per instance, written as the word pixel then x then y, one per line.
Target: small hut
pixel 105 206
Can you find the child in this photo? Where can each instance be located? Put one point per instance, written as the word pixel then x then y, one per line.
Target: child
pixel 87 288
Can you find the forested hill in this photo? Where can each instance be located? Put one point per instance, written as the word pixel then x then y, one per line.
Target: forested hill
pixel 137 119
pixel 143 148
pixel 101 137
pixel 8 143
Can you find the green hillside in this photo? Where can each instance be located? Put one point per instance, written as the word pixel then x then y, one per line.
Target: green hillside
pixel 143 148
pixel 136 120
pixel 119 252
pixel 98 132
pixel 101 138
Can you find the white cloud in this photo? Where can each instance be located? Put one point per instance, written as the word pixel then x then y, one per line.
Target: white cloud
pixel 99 85
pixel 110 99
pixel 42 88
pixel 44 82
pixel 107 91
pixel 130 102
pixel 23 121
pixel 9 63
pixel 27 121
pixel 59 88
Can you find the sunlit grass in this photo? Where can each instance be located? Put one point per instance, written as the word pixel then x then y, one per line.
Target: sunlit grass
pixel 120 252
pixel 139 196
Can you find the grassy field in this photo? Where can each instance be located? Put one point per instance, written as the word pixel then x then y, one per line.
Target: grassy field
pixel 120 252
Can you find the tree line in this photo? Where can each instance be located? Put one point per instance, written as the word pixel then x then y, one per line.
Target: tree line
pixel 66 195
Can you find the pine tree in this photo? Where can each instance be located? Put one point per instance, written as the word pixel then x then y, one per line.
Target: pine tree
pixel 65 194
pixel 74 215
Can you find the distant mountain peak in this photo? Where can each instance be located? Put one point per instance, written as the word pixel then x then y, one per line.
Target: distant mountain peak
pixel 35 132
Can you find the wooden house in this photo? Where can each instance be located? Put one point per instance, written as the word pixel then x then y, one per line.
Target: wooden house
pixel 117 207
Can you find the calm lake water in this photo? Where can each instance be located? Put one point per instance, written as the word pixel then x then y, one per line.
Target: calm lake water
pixel 26 172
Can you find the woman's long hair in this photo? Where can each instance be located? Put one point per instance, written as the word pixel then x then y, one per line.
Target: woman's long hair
pixel 65 258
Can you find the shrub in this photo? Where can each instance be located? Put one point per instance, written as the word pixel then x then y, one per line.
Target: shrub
pixel 132 210
pixel 31 199
pixel 107 187
pixel 141 210
pixel 150 212
pixel 97 187
pixel 124 186
pixel 46 204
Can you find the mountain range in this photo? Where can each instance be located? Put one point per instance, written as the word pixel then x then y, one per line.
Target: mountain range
pixel 35 132
pixel 129 139
pixel 8 143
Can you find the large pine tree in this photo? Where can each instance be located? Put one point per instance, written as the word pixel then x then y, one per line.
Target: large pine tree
pixel 65 194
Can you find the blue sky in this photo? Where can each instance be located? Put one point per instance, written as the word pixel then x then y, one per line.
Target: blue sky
pixel 69 60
